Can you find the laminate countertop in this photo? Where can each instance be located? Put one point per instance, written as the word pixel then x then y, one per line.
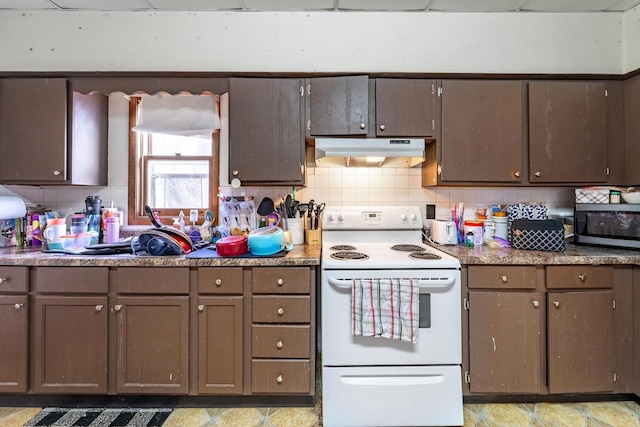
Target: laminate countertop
pixel 300 255
pixel 573 254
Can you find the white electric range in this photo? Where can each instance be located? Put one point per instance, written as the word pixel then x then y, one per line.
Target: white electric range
pixel 373 381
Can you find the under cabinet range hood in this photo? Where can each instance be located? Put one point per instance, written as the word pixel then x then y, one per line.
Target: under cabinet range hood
pixel 372 152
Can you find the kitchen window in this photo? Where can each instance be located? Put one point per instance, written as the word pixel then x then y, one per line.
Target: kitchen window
pixel 172 160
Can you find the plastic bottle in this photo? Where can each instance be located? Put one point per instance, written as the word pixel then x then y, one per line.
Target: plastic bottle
pixel 113 230
pixel 181 224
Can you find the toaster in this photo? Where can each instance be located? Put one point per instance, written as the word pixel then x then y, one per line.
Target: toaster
pixel 443 232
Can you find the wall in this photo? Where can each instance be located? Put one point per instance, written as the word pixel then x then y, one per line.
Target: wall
pixel 312 42
pixel 631 37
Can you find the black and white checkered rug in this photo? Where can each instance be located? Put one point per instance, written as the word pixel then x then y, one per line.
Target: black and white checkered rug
pixel 100 417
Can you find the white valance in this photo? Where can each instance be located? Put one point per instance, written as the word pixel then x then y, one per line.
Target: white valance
pixel 182 115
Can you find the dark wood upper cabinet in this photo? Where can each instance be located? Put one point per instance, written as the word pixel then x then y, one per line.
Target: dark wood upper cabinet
pixel 405 107
pixel 339 106
pixel 381 107
pixel 482 131
pixel 266 130
pixel 50 134
pixel 632 127
pixel 568 132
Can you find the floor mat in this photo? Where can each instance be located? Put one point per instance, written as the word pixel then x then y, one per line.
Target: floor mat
pixel 100 417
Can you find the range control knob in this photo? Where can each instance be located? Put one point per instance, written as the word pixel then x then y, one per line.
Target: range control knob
pixel 403 217
pixel 331 217
pixel 413 217
pixel 340 217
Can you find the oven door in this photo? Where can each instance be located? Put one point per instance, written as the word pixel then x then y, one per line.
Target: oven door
pixel 439 335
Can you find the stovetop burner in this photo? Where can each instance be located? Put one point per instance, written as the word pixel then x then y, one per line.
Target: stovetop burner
pixel 424 255
pixel 407 248
pixel 347 255
pixel 343 248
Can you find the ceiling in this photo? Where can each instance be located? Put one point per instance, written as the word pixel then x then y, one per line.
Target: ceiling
pixel 326 5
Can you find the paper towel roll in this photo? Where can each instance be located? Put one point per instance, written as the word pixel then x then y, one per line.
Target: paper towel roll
pixel 12 207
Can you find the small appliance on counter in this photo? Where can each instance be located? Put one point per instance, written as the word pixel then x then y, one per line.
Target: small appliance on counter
pixel 607 224
pixel 443 232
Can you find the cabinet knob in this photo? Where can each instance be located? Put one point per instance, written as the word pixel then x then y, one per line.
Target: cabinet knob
pixel 382 127
pixel 57 173
pixel 362 125
pixel 504 278
pixel 535 303
pixel 280 282
pixel 279 379
pixel 200 307
pixel 279 344
pixel 516 174
pixel 281 311
pixel 537 174
pixel 99 307
pixel 582 277
pixel 18 306
pixel 4 279
pixel 118 307
pixel 218 282
pixel 556 304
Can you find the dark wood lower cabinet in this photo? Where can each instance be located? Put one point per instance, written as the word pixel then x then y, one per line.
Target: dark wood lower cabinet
pixel 505 342
pixel 70 336
pixel 13 343
pixel 152 344
pixel 220 349
pixel 581 341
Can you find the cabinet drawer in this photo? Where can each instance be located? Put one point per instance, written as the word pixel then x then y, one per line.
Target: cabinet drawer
pixel 281 280
pixel 501 277
pixel 280 376
pixel 281 342
pixel 290 309
pixel 579 276
pixel 72 279
pixel 13 279
pixel 153 280
pixel 220 280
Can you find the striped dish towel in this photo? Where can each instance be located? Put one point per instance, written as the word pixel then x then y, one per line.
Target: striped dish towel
pixel 385 308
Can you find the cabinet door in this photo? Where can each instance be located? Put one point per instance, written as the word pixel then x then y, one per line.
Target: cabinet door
pixel 339 106
pixel 632 129
pixel 13 343
pixel 220 338
pixel 33 130
pixel 70 336
pixel 152 345
pixel 581 341
pixel 405 107
pixel 483 126
pixel 266 134
pixel 567 131
pixel 505 342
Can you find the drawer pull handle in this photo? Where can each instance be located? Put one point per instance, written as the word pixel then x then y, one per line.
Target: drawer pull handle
pixel 535 303
pixel 218 282
pixel 582 277
pixel 281 311
pixel 279 344
pixel 362 125
pixel 200 307
pixel 280 282
pixel 279 379
pixel 4 279
pixel 382 127
pixel 556 304
pixel 118 307
pixel 99 307
pixel 18 306
pixel 504 278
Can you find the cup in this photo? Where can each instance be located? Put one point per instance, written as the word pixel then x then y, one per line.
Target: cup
pixel 93 227
pixel 296 228
pixel 56 227
pixel 78 223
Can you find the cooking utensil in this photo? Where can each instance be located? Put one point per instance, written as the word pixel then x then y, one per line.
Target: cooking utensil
pixel 265 207
pixel 288 203
pixel 318 211
pixel 181 238
pixel 267 241
pixel 231 245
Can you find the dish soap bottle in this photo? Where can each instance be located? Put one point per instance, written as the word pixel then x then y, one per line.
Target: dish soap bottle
pixel 181 225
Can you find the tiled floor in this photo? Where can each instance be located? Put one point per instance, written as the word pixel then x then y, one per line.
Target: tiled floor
pixel 593 414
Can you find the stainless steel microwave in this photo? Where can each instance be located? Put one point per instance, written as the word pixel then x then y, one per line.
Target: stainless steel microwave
pixel 616 225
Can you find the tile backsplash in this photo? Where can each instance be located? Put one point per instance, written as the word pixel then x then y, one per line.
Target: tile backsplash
pixel 335 187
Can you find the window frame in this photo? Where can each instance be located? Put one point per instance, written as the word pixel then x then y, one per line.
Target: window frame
pixel 136 185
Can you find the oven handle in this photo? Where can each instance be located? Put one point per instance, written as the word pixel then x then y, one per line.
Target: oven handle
pixel 439 282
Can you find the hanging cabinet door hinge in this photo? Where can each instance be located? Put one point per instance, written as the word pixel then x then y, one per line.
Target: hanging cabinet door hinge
pixel 615 377
pixel 606 93
pixel 301 169
pixel 309 89
pixel 301 90
pixel 308 124
pixel 440 91
pixel 614 304
pixel 440 170
pixel 607 171
pixel 467 377
pixel 433 124
pixel 466 304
